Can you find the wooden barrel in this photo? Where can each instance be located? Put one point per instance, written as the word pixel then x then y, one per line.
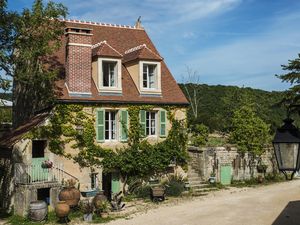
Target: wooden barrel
pixel 38 210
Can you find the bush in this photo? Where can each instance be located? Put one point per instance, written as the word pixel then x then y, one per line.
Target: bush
pixel 174 186
pixel 143 191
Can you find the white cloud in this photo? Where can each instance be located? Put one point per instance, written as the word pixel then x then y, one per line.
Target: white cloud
pixel 250 61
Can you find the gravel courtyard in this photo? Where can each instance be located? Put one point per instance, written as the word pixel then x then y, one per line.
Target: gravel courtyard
pixel 276 204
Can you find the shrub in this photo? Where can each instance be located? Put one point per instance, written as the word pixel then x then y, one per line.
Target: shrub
pixel 174 186
pixel 143 191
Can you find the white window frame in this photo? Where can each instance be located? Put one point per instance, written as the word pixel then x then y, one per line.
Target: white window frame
pixel 118 82
pixel 110 125
pixel 150 126
pixel 157 78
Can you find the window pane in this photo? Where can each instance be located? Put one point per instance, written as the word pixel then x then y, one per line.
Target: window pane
pixel 112 74
pixel 106 125
pixel 152 123
pixel 113 125
pixel 105 70
pixel 109 73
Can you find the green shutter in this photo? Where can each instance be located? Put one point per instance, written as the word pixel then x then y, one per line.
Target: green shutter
pixel 100 125
pixel 162 123
pixel 124 125
pixel 143 121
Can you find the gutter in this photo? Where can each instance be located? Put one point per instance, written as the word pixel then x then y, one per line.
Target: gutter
pixel 65 101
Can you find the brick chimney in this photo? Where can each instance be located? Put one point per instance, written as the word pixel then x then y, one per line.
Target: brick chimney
pixel 78 61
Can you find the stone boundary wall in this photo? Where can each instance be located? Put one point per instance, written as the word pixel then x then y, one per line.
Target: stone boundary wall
pixel 205 160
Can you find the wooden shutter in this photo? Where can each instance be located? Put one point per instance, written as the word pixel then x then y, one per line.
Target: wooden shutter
pixel 124 125
pixel 162 123
pixel 100 128
pixel 143 121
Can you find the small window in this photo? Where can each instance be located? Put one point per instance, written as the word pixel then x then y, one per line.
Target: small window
pixel 38 148
pixel 110 125
pixel 150 123
pixel 149 76
pixel 109 69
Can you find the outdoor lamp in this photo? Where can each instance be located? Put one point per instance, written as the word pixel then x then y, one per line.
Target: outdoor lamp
pixel 286 146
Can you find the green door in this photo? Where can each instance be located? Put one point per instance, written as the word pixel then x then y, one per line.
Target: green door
pixel 115 183
pixel 37 172
pixel 226 175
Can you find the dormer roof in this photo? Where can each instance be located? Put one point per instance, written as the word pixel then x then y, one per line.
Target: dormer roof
pixel 104 49
pixel 141 52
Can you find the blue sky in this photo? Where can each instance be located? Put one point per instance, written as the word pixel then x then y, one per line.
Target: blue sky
pixel 229 42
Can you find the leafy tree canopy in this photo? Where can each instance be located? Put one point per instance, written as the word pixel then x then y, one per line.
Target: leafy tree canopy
pixel 248 131
pixel 292 96
pixel 28 41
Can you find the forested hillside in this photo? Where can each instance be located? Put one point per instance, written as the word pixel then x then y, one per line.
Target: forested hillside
pixel 217 102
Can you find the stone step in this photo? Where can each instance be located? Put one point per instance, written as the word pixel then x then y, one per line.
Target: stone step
pixel 198 186
pixel 195 179
pixel 197 182
pixel 208 189
pixel 193 174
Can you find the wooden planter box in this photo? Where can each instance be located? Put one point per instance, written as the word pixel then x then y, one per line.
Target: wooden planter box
pixel 157 194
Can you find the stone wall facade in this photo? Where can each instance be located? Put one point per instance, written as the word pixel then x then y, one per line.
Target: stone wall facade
pixel 209 160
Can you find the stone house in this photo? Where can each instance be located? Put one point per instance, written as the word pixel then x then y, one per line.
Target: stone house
pixel 107 68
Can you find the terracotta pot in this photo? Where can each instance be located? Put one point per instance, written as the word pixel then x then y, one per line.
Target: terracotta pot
pixel 62 209
pixel 76 195
pixel 98 199
pixel 70 195
pixel 104 215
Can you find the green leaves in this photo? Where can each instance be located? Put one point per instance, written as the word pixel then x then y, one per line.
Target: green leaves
pixel 248 131
pixel 28 41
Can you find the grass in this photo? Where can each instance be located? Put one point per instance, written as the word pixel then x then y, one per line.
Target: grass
pixel 216 141
pixel 268 179
pixel 52 219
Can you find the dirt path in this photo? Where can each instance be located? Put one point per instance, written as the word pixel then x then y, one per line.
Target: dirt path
pixel 277 204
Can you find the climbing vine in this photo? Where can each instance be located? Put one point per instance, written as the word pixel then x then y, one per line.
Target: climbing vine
pixel 138 158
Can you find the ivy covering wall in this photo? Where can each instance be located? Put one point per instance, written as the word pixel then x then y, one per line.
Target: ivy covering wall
pixel 138 158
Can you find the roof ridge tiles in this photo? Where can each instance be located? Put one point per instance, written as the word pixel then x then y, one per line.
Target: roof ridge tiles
pixel 105 43
pixel 140 47
pixel 101 24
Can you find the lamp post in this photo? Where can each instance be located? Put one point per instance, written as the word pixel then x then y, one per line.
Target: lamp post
pixel 286 146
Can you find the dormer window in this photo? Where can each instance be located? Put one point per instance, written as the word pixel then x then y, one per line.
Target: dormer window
pixel 149 75
pixel 109 76
pixel 109 69
pixel 150 78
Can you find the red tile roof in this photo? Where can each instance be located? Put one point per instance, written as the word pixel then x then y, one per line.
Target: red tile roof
pixel 140 52
pixel 104 49
pixel 121 39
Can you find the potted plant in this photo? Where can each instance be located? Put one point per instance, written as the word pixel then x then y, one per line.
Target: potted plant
pixel 87 210
pixel 212 178
pixel 47 164
pixel 104 209
pixel 70 194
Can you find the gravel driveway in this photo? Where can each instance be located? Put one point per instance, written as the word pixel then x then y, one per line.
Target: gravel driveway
pixel 276 204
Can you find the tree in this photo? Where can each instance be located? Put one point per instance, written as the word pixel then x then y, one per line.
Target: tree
pixel 191 92
pixel 249 132
pixel 31 39
pixel 292 96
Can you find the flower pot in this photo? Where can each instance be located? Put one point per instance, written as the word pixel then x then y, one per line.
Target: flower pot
pixel 104 215
pixel 62 209
pixel 212 180
pixel 70 195
pixel 98 199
